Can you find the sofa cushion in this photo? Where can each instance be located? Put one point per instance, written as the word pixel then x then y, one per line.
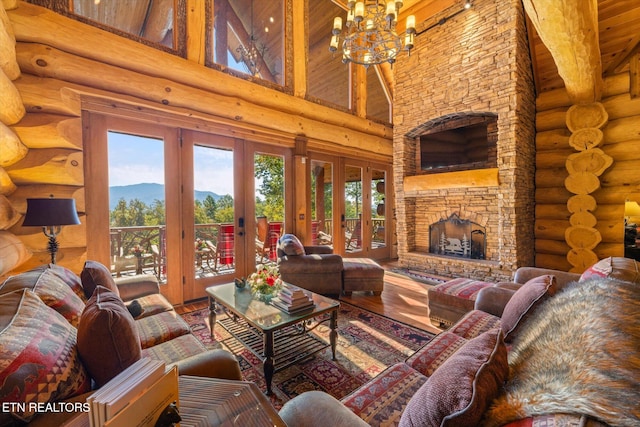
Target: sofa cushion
pixel 175 350
pixel 290 245
pixel 108 340
pixel 524 302
pixel 151 304
pixel 39 360
pixel 430 357
pixel 474 323
pixel 160 327
pixel 625 269
pixel 382 400
pixel 460 391
pixel 51 289
pixel 95 274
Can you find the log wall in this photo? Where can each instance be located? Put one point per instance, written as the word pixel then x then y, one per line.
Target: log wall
pixel 621 141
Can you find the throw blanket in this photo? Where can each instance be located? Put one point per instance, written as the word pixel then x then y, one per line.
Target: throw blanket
pixel 580 354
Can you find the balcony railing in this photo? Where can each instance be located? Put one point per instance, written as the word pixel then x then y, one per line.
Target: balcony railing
pixel 138 250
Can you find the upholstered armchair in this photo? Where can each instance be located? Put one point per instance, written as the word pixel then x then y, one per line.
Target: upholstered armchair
pixel 315 268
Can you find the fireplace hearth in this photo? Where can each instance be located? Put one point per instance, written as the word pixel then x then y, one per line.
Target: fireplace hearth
pixel 457 237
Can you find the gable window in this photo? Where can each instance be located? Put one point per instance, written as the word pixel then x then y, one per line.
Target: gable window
pixel 148 21
pixel 248 37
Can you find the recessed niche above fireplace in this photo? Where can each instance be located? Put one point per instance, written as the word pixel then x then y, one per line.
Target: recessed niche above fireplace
pixel 455 142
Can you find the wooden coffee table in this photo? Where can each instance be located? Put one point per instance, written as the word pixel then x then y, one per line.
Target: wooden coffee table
pixel 278 338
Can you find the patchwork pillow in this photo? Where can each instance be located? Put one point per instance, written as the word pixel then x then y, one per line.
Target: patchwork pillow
pixel 51 289
pixel 39 360
pixel 291 245
pixel 108 340
pixel 95 274
pixel 460 391
pixel 524 302
pixel 624 269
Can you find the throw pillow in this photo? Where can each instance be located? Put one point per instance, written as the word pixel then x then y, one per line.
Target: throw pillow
pixel 459 392
pixel 108 340
pixel 95 274
pixel 39 360
pixel 67 276
pixel 52 290
pixel 524 302
pixel 625 269
pixel 290 245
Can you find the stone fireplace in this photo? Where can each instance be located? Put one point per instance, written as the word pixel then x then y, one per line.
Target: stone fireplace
pixel 464 144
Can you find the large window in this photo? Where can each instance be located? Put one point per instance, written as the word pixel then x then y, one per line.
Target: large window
pixel 150 20
pixel 248 37
pixel 327 76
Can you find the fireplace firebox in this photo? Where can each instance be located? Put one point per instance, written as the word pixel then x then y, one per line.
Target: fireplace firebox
pixel 456 237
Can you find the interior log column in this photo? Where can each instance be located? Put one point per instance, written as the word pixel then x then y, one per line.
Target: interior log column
pixel 584 167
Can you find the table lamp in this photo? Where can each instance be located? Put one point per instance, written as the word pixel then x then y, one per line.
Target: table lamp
pixel 51 214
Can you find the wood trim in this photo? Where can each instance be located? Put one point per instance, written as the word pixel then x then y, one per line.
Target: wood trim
pixel 459 179
pixel 196 34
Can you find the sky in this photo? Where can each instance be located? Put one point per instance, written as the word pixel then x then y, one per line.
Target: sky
pixel 135 160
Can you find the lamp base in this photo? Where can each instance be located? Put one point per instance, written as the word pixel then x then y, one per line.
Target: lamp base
pixel 52 247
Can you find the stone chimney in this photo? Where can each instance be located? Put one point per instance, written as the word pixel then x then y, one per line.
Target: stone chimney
pixel 466 65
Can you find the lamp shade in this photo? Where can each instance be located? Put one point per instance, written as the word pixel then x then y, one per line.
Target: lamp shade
pixel 46 212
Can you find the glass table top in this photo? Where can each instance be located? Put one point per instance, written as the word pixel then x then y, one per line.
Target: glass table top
pixel 264 315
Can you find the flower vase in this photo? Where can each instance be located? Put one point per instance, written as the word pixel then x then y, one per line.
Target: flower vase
pixel 266 298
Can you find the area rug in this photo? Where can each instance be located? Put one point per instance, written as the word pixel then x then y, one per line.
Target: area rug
pixel 420 276
pixel 367 345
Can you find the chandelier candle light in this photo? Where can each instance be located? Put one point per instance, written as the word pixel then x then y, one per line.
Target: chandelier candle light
pixel 370 34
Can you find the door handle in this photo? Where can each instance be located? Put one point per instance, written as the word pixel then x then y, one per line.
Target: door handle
pixel 241 226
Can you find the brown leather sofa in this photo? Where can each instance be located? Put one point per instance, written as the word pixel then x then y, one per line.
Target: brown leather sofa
pixel 63 337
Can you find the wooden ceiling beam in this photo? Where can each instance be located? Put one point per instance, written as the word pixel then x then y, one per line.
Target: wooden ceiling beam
pixel 631 50
pixel 569 29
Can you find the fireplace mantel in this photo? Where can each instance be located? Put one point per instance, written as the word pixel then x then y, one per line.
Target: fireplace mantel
pixel 458 179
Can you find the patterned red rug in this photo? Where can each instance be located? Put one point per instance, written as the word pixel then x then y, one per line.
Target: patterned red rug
pixel 367 344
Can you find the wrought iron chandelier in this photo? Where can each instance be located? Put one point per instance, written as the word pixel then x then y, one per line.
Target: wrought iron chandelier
pixel 252 54
pixel 369 36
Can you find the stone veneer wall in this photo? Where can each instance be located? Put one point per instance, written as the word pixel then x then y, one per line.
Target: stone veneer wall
pixel 477 61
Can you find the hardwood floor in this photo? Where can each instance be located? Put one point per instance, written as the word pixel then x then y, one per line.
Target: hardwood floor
pixel 403 299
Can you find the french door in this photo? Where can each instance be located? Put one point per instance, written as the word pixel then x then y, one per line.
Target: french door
pixel 348 206
pixel 181 204
pixel 364 209
pixel 221 230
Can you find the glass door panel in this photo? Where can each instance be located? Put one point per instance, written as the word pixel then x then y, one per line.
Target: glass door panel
pixel 378 209
pixel 353 209
pixel 137 201
pixel 321 202
pixel 213 226
pixel 214 217
pixel 269 170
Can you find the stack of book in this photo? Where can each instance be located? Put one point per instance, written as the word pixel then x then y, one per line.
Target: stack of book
pixel 292 299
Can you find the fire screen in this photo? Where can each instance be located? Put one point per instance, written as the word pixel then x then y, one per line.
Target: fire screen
pixel 457 237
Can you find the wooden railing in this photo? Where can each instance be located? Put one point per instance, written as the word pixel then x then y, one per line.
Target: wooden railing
pixel 143 248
